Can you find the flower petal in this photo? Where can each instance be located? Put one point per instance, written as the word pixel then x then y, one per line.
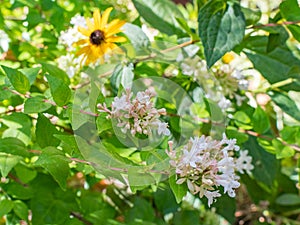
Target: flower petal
pixel 116 39
pixel 97 19
pixel 84 31
pixel 90 25
pixel 114 27
pixel 104 18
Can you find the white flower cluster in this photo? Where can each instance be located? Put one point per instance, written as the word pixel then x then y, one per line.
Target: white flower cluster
pixel 69 63
pixel 138 115
pixel 4 41
pixel 205 164
pixel 72 35
pixel 220 83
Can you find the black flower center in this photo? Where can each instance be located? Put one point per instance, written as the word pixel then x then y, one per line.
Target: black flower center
pixel 97 37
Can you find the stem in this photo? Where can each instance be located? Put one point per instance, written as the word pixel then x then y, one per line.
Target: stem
pixel 151 56
pixel 274 24
pixel 80 217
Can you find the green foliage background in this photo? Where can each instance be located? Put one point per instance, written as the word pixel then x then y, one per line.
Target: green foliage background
pixel 48 179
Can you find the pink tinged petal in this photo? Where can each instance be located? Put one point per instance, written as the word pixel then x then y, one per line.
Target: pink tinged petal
pixel 181 181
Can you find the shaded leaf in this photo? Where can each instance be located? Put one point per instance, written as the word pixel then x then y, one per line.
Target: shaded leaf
pixel 221 28
pixel 30 73
pixel 59 90
pixel 276 65
pixel 160 14
pixel 21 209
pixel 262 162
pixel 179 190
pixel 288 199
pixel 13 146
pixel 56 163
pixel 45 131
pixel 36 104
pixel 260 121
pixel 286 104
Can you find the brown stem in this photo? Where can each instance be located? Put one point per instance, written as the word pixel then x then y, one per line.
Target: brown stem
pixel 275 24
pixel 80 217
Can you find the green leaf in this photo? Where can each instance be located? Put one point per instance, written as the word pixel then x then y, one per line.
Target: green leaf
pixel 13 146
pixel 122 76
pixel 138 38
pixel 276 65
pixel 54 161
pixel 19 127
pixel 54 71
pixel 30 73
pixel 45 131
pixel 265 164
pixel 242 120
pixel 34 18
pixel 5 93
pixel 282 151
pixel 59 90
pixel 186 217
pixel 288 200
pixel 19 191
pixel 7 162
pixel 142 210
pixel 221 28
pixel 286 104
pixel 24 173
pixel 5 206
pixel 251 16
pixel 21 209
pixel 103 123
pixel 260 121
pixel 160 14
pixel 36 104
pixel 183 23
pixel 165 201
pixel 290 10
pixel 18 80
pixel 295 30
pixel 50 204
pixel 179 190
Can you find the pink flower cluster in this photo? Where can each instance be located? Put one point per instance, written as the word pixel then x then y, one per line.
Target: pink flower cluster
pixel 137 115
pixel 205 164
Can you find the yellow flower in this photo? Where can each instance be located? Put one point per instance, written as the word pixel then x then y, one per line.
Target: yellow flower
pixel 101 36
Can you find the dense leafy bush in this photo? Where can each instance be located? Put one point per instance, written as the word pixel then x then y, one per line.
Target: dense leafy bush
pixel 148 112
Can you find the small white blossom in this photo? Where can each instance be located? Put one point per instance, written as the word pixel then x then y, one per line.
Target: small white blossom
pixel 69 63
pixel 138 115
pixel 4 41
pixel 243 163
pixel 205 164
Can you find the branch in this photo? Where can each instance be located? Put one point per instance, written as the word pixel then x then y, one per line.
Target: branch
pixel 80 217
pixel 151 56
pixel 274 24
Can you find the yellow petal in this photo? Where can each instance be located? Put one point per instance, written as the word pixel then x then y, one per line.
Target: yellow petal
pixel 114 27
pixel 97 19
pixel 81 42
pixel 104 18
pixel 116 39
pixel 85 50
pixel 90 25
pixel 84 31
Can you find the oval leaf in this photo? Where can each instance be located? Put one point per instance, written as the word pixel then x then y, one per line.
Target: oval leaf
pixel 221 28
